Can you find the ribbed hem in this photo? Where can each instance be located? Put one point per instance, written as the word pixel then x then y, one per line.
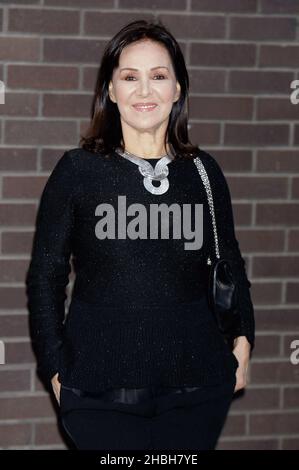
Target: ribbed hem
pixel 177 346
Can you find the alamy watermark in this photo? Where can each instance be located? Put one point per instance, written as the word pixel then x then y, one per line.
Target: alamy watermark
pixel 294 96
pixel 2 92
pixel 2 352
pixel 179 218
pixel 294 357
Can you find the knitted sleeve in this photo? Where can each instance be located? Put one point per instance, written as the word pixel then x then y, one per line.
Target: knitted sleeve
pixel 49 268
pixel 229 246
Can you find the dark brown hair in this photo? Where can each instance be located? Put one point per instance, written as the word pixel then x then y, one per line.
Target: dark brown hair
pixel 104 133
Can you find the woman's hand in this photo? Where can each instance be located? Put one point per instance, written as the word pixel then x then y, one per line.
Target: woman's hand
pixel 56 385
pixel 242 352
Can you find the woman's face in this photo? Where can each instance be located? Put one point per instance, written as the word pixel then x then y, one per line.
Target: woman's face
pixel 144 75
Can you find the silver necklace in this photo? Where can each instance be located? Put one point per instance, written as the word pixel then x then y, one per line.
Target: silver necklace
pixel 159 173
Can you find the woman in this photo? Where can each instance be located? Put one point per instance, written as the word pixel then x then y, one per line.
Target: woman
pixel 139 362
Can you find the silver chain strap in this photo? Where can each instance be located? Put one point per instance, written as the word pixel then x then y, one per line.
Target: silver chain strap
pixel 206 182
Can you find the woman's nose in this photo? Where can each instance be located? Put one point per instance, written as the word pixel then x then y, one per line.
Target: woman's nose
pixel 144 87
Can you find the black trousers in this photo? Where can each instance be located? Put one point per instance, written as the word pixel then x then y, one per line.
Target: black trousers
pixel 147 419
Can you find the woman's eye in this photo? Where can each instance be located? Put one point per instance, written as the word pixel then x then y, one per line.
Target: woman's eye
pixel 130 76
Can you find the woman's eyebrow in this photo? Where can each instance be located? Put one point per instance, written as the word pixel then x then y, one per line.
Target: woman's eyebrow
pixel 153 68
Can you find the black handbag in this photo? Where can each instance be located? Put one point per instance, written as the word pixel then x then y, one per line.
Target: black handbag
pixel 221 285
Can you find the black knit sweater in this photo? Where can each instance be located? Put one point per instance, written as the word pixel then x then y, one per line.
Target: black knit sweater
pixel 138 314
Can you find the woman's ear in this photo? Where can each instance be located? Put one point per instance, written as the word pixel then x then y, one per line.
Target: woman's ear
pixel 111 93
pixel 178 92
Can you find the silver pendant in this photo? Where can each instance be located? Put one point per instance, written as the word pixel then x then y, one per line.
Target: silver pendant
pixel 158 173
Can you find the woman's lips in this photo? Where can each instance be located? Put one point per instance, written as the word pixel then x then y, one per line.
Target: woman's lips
pixel 144 108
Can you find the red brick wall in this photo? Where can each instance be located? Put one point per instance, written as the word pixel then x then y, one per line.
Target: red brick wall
pixel 242 57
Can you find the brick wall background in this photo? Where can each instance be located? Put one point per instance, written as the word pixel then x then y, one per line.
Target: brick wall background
pixel 242 57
